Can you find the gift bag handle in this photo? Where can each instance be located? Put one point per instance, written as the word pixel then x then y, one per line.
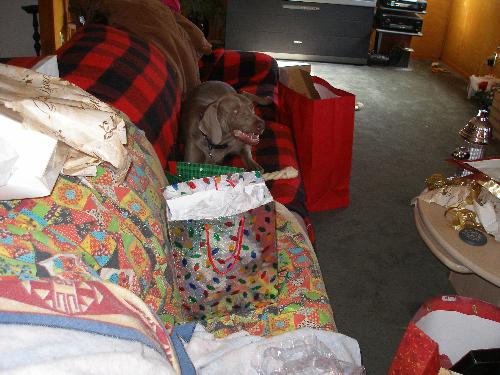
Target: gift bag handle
pixel 236 253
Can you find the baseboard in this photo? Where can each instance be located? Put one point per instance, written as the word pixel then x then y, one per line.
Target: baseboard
pixel 471 285
pixel 456 69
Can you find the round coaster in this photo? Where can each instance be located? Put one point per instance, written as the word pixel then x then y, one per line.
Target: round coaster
pixel 473 237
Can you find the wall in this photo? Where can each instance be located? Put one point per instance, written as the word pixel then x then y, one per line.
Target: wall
pixel 16 30
pixel 460 33
pixel 430 46
pixel 473 35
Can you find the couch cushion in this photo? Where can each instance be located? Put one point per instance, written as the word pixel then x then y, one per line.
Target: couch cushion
pixel 130 74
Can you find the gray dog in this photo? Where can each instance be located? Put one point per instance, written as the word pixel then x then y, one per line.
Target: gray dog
pixel 217 121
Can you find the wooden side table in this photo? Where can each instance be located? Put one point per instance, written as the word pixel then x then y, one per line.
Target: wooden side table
pixel 474 270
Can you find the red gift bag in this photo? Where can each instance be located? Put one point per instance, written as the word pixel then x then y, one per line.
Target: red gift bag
pixel 323 131
pixel 443 331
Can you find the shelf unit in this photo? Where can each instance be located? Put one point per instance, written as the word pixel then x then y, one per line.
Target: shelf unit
pixel 398 32
pixel 379 32
pixel 402 10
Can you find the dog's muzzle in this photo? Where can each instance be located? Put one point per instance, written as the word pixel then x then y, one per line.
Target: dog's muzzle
pixel 249 138
pixel 253 137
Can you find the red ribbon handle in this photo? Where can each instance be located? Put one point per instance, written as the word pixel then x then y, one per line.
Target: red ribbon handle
pixel 236 253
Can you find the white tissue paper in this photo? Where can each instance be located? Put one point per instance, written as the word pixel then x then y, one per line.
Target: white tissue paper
pixel 38 162
pixel 488 217
pixel 211 204
pixel 8 157
pixel 488 213
pixel 48 65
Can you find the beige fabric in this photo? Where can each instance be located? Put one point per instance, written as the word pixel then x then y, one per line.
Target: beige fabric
pixel 50 105
pixel 178 38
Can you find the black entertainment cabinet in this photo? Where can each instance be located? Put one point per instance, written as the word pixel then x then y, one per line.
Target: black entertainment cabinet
pixel 321 30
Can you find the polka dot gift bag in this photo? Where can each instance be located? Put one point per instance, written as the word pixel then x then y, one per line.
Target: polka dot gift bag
pixel 223 243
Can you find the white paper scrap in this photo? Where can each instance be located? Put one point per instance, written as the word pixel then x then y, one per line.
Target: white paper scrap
pixel 212 204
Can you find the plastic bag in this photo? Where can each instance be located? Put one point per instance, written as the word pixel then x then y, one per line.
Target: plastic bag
pixel 303 356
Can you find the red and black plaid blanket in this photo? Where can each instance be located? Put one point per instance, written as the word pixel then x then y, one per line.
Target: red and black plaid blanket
pixel 131 75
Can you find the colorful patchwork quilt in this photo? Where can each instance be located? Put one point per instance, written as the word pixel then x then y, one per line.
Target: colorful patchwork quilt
pixel 91 229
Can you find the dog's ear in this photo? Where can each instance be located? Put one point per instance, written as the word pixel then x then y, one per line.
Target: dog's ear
pixel 210 125
pixel 260 100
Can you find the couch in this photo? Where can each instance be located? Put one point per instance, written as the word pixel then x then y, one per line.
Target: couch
pixel 92 230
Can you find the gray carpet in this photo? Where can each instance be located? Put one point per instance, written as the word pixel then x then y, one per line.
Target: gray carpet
pixel 376 268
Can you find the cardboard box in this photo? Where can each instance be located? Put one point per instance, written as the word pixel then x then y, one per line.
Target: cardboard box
pixel 298 78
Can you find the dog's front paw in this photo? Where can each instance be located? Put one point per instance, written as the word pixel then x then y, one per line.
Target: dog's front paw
pixel 254 167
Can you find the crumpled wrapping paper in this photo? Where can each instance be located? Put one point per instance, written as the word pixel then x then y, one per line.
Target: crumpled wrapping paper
pixel 449 196
pixel 94 130
pixel 488 214
pixel 466 202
